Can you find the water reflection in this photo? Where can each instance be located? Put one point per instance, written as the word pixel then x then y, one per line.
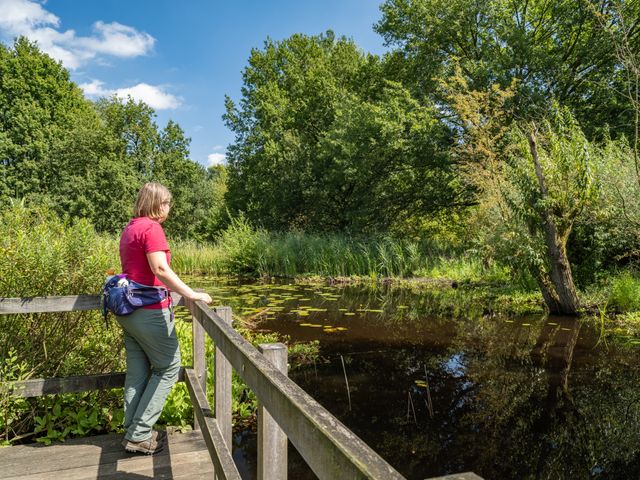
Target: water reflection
pixel 525 397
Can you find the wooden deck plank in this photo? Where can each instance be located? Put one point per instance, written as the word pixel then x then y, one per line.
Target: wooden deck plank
pixel 103 457
pixel 157 466
pixel 108 443
pixel 72 457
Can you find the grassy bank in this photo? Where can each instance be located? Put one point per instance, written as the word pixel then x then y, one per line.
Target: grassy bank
pixel 244 250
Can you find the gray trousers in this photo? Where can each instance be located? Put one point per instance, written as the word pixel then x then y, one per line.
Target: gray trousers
pixel 153 363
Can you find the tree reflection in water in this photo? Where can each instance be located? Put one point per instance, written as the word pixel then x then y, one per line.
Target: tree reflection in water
pixel 509 400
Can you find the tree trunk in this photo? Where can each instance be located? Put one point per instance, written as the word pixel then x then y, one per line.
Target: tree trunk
pixel 564 299
pixel 548 291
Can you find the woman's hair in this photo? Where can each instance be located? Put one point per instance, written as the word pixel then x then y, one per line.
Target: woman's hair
pixel 150 199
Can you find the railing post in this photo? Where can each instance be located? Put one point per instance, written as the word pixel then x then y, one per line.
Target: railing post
pixel 222 395
pixel 272 442
pixel 199 361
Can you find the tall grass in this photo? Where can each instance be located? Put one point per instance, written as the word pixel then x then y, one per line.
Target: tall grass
pixel 41 255
pixel 244 250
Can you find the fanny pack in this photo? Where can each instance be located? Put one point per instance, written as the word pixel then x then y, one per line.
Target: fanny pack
pixel 122 296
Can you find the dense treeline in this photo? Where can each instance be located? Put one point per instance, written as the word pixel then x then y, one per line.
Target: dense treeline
pixel 325 142
pixel 87 160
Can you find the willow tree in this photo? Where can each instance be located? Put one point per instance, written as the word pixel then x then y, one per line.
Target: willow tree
pixel 552 172
pixel 533 182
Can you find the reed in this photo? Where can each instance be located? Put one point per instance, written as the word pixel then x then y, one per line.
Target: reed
pixel 244 250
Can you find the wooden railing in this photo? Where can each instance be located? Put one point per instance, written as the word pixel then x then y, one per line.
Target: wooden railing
pixel 285 410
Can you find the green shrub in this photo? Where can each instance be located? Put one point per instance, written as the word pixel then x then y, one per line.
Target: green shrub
pixel 41 255
pixel 240 246
pixel 625 292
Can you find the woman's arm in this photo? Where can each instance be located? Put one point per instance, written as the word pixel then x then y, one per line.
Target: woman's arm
pixel 162 270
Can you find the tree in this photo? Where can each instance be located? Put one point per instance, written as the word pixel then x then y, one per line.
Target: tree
pixel 622 22
pixel 381 165
pixel 39 102
pixel 55 148
pixel 133 127
pixel 554 49
pixel 196 197
pixel 533 182
pixel 324 142
pixel 149 153
pixel 87 160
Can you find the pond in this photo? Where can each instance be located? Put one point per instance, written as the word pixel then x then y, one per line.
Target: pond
pixel 465 390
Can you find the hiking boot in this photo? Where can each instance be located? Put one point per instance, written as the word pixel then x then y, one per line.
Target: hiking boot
pixel 149 447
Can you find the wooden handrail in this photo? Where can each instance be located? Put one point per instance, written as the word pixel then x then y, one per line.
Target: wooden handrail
pixel 37 387
pixel 68 303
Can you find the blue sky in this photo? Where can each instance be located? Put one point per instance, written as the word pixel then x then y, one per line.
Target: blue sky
pixel 181 57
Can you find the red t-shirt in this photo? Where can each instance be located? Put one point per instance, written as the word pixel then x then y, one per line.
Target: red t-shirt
pixel 141 236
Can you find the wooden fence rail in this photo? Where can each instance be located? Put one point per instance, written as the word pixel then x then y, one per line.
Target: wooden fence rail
pixel 285 410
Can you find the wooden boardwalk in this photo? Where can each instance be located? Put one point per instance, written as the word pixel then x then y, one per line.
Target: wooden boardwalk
pixel 285 413
pixel 185 456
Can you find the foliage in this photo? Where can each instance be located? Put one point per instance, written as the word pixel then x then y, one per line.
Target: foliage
pixel 151 154
pixel 39 102
pixel 88 160
pixel 625 292
pixel 325 143
pixel 76 415
pixel 521 197
pixel 43 255
pixel 11 370
pixel 241 246
pixel 554 50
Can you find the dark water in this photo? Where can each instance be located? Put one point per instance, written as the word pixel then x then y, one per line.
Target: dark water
pixel 520 397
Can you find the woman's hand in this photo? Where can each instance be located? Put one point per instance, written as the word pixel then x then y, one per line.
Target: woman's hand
pixel 202 297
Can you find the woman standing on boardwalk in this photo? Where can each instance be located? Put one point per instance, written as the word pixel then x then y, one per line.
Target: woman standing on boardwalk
pixel 152 351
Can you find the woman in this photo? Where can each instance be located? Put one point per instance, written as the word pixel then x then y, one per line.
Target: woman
pixel 153 355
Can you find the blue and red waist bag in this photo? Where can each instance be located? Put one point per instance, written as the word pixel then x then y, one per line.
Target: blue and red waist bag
pixel 122 296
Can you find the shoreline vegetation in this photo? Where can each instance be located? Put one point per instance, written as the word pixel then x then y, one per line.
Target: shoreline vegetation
pixel 500 181
pixel 71 258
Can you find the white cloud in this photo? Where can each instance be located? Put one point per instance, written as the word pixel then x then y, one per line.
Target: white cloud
pixel 117 40
pixel 29 18
pixel 94 89
pixel 217 148
pixel 24 14
pixel 153 96
pixel 216 159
